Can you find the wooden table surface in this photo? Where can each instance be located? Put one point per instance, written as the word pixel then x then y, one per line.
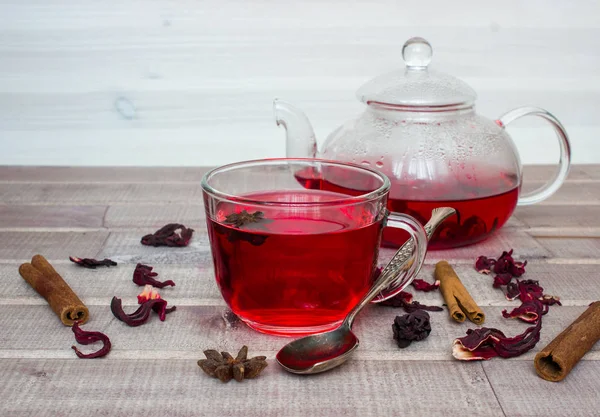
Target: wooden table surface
pixel 151 370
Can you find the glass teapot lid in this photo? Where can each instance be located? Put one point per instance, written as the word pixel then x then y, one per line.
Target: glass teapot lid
pixel 416 85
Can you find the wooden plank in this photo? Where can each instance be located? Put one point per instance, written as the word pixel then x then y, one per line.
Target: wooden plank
pixel 592 171
pixel 154 216
pixel 522 393
pixel 21 246
pixel 90 174
pixel 587 193
pixel 558 216
pixel 561 247
pixel 545 172
pixel 504 239
pixel 178 388
pixel 195 284
pixel 571 193
pixel 40 193
pixel 576 285
pixel 51 216
pixel 125 246
pixel 190 329
pixel 117 174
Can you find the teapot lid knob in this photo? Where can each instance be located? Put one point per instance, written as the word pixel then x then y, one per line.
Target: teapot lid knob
pixel 416 53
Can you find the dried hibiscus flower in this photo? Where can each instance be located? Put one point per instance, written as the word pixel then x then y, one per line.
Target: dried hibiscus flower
pixel 91 263
pixel 422 285
pixel 530 311
pixel 486 343
pixel 243 218
pixel 484 265
pixel 550 300
pixel 399 300
pixel 85 338
pixel 502 279
pixel 405 300
pixel 149 301
pixel 143 275
pixel 168 236
pixel 505 264
pixel 410 327
pixel 225 367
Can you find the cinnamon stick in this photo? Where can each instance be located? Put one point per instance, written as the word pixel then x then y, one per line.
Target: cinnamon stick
pixel 459 301
pixel 49 284
pixel 555 361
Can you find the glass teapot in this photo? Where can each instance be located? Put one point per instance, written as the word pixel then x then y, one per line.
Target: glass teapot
pixel 420 128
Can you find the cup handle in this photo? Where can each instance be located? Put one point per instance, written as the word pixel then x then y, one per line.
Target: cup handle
pixel 564 163
pixel 407 261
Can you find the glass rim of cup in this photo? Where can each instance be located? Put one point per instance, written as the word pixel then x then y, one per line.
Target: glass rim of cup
pixel 361 198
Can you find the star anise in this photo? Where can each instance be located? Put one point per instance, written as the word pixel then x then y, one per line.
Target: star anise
pixel 243 218
pixel 225 367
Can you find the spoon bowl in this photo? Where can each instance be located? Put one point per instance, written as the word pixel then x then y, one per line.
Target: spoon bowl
pixel 324 351
pixel 318 353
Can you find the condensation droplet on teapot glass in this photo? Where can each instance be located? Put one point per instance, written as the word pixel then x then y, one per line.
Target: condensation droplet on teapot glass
pixel 366 163
pixel 417 53
pixel 379 164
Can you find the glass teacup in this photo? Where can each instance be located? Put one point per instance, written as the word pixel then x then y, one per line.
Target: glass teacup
pixel 291 256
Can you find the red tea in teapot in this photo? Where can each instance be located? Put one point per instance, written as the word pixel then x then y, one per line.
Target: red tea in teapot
pixel 475 219
pixel 480 211
pixel 293 270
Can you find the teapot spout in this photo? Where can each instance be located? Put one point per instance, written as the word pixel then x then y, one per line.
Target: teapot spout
pixel 300 136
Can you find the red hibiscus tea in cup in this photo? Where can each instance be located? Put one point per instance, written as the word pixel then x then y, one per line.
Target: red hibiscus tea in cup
pixel 290 260
pixel 293 269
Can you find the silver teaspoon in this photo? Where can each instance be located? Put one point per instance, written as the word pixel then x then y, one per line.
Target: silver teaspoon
pixel 324 351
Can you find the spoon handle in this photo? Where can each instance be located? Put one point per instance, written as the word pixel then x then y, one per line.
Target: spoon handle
pixel 400 261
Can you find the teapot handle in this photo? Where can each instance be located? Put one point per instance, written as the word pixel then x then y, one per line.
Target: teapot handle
pixel 564 162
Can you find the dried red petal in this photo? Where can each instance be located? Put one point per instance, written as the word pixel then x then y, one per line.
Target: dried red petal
pixel 143 275
pixel 484 265
pixel 512 291
pixel 530 311
pixel 422 285
pixel 486 343
pixel 502 279
pixel 530 290
pixel 516 346
pixel 474 226
pixel 398 300
pixel 91 263
pixel 405 300
pixel 550 300
pixel 85 338
pixel 141 315
pixel 415 305
pixel 504 262
pixel 517 268
pixel 168 236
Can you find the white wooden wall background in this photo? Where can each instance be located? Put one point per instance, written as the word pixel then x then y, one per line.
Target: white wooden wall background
pixel 176 82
